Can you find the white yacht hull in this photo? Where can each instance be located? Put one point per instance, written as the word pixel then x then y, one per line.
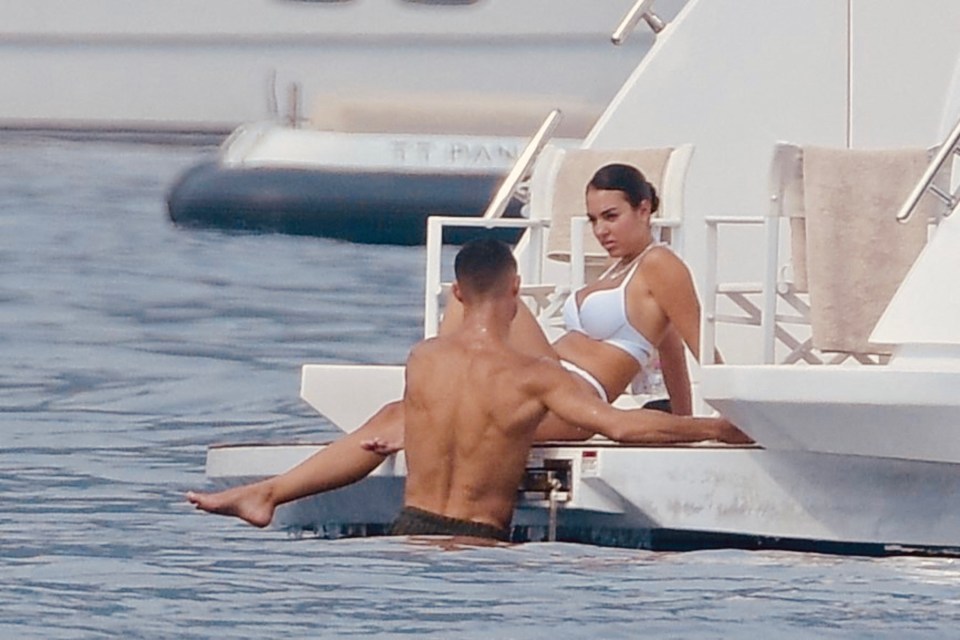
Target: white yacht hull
pixel 666 498
pixel 878 411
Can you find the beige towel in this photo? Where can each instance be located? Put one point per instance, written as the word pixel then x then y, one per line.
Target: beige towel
pixel 857 253
pixel 450 114
pixel 570 188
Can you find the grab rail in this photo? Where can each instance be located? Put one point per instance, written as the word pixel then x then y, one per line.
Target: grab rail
pixel 521 168
pixel 925 184
pixel 641 10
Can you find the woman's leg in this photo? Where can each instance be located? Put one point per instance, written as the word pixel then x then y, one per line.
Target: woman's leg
pixel 338 464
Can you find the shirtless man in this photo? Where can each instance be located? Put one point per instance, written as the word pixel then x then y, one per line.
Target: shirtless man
pixel 472 404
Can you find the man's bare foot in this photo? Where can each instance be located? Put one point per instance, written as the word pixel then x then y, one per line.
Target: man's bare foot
pixel 250 503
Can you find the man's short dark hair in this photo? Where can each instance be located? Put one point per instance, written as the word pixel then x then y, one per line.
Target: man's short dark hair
pixel 482 264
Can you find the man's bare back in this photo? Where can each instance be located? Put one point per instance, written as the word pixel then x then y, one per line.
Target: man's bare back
pixel 470 418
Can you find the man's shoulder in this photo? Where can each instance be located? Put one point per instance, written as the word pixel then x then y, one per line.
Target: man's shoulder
pixel 540 370
pixel 426 350
pixel 515 363
pixel 435 343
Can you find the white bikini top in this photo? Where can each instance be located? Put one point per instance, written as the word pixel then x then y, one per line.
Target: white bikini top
pixel 602 315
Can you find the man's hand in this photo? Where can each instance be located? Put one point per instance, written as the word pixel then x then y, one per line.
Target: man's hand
pixel 383 447
pixel 731 434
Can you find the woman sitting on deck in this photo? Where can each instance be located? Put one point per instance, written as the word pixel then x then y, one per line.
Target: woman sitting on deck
pixel 646 301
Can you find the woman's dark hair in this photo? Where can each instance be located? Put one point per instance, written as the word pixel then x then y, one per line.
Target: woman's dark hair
pixel 627 179
pixel 481 264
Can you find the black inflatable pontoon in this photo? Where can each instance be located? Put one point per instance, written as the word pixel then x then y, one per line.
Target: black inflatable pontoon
pixel 366 207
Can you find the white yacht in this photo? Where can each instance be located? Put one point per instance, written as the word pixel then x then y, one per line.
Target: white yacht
pixel 805 154
pixel 210 65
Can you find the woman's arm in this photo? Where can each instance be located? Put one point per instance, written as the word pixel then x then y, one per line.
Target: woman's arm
pixel 673 364
pixel 673 290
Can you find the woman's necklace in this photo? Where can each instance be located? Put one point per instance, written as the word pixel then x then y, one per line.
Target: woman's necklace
pixel 625 264
pixel 620 268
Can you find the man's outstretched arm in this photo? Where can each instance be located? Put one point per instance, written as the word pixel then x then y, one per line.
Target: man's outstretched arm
pixel 562 395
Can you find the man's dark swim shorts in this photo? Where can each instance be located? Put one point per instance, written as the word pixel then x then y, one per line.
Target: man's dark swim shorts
pixel 417 522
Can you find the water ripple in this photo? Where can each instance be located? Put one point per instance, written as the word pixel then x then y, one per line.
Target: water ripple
pixel 131 345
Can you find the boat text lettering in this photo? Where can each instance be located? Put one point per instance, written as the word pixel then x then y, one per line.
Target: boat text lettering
pixel 455 153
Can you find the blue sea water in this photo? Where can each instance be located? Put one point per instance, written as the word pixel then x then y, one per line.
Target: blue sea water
pixel 129 345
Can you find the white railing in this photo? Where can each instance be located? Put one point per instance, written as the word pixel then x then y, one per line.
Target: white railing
pixel 710 315
pixel 642 10
pixel 521 168
pixel 492 217
pixel 926 183
pixel 433 285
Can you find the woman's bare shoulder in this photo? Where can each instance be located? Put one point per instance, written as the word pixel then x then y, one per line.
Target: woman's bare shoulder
pixel 662 256
pixel 662 265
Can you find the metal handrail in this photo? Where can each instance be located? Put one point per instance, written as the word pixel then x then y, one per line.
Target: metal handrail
pixel 521 168
pixel 925 184
pixel 641 10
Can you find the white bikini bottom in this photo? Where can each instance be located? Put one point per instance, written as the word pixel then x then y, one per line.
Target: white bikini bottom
pixel 586 375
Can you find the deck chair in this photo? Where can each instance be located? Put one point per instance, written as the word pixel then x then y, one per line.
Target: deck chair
pixel 569 254
pixel 835 208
